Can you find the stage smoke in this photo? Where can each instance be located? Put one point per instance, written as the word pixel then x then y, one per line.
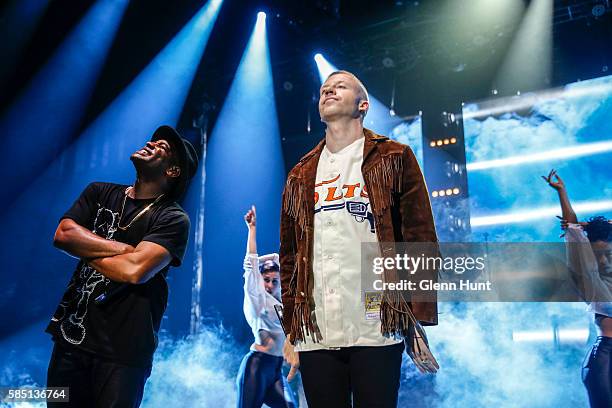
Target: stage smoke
pixel 199 371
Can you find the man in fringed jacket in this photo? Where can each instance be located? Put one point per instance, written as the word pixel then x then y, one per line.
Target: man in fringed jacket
pixel 347 356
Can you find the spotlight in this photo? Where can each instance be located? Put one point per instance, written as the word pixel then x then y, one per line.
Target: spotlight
pixel 446 192
pixel 261 15
pixel 392 112
pixel 448 118
pixel 451 168
pixel 441 142
pixel 318 57
pixel 598 10
pixel 388 62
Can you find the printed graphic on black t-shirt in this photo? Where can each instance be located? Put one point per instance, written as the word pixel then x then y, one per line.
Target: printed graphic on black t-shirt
pixel 124 328
pixel 73 308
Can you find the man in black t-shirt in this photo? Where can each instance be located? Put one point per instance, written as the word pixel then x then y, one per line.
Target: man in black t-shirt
pixel 126 237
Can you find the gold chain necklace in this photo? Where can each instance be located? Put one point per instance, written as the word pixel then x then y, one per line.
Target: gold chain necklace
pixel 140 214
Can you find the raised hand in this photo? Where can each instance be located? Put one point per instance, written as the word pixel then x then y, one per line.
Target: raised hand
pixel 557 183
pixel 250 218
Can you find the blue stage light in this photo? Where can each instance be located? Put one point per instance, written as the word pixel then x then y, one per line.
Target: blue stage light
pixel 101 153
pixel 48 112
pixel 244 166
pixel 324 66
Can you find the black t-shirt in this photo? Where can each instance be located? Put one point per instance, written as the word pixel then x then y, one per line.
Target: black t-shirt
pixel 124 328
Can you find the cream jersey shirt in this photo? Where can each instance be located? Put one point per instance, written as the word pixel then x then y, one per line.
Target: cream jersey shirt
pixel 342 221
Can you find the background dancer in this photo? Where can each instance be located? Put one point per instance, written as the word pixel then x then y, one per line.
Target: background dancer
pixel 260 378
pixel 592 267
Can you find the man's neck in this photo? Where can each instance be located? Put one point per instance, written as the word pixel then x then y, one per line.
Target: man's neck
pixel 342 133
pixel 144 189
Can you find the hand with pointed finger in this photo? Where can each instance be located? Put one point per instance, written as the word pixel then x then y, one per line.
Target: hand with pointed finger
pixel 292 358
pixel 418 350
pixel 250 218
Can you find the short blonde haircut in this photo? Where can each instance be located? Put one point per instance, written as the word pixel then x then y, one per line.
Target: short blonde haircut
pixel 363 92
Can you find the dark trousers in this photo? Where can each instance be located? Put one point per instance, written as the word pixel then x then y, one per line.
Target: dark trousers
pixel 352 376
pixel 260 381
pixel 94 382
pixel 597 373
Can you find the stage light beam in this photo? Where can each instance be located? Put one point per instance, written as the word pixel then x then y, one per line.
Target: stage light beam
pixel 528 62
pixel 585 207
pixel 48 112
pixel 244 167
pixel 325 68
pixel 155 97
pixel 571 152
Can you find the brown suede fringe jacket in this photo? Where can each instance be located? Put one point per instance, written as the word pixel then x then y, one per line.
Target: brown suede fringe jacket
pixel 402 213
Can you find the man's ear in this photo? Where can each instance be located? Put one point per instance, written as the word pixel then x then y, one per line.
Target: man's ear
pixel 363 107
pixel 173 171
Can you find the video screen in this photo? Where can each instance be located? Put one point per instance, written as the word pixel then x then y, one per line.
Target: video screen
pixel 512 142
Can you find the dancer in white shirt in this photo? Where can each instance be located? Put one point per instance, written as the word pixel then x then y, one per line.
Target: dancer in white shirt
pixel 260 379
